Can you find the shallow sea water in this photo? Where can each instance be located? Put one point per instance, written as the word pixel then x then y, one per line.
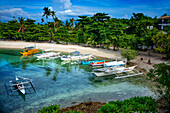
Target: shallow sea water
pixel 55 83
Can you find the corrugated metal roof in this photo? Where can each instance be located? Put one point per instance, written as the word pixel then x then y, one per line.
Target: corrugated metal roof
pixel 75 52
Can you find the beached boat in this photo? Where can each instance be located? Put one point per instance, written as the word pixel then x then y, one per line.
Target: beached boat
pixel 76 56
pixel 47 54
pixel 109 63
pixel 114 63
pixel 89 62
pixel 99 63
pixel 29 51
pixel 116 71
pixel 18 84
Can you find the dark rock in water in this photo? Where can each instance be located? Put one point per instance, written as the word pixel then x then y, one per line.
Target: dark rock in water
pixel 86 107
pixel 73 102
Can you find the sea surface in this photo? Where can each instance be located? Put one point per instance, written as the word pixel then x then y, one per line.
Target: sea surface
pixel 61 83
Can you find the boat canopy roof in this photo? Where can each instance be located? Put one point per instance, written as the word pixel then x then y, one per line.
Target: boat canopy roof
pixel 31 47
pixel 75 52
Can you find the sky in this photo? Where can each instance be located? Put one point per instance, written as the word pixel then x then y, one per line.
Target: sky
pixel 67 9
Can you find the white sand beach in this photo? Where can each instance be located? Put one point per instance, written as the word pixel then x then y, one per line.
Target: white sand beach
pixel 155 58
pixel 62 48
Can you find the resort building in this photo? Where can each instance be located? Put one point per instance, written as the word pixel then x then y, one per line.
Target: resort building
pixel 164 21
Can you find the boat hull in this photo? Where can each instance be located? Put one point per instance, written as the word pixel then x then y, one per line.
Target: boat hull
pixel 89 62
pixel 78 57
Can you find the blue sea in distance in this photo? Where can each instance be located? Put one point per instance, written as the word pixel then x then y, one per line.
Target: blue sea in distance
pixel 64 84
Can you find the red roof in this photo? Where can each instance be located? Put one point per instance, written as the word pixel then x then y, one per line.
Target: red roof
pixel 164 17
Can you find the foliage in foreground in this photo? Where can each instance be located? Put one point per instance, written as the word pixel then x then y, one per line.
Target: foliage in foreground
pixel 160 74
pixel 54 109
pixel 50 109
pixel 135 104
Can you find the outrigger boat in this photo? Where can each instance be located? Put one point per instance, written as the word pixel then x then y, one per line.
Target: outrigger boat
pixel 29 51
pixel 114 63
pixel 94 64
pixel 108 63
pixel 75 56
pixel 18 84
pixel 48 54
pixel 130 71
pixel 89 62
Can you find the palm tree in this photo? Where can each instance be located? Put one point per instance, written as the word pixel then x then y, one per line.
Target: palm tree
pixel 71 21
pixel 53 14
pixel 42 20
pixel 21 20
pixel 57 21
pixel 67 25
pixel 47 13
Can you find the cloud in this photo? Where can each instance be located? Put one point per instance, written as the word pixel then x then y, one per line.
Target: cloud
pixel 125 16
pixel 68 13
pixel 7 14
pixel 13 12
pixel 65 10
pixel 67 3
pixel 51 9
pixel 62 4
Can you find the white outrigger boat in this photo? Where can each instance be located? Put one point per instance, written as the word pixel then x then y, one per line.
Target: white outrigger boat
pixel 130 71
pixel 75 56
pixel 18 84
pixel 46 54
pixel 114 63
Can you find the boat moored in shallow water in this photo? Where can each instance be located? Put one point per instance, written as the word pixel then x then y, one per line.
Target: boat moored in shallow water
pixel 18 84
pixel 76 56
pixel 130 71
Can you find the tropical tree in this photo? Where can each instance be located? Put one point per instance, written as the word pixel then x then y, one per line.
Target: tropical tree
pixel 67 25
pixel 42 20
pixel 30 28
pixel 160 74
pixel 47 13
pixel 21 21
pixel 142 27
pixel 53 14
pixel 58 22
pixel 71 21
pixel 9 30
pixel 128 53
pixel 128 40
pixel 162 42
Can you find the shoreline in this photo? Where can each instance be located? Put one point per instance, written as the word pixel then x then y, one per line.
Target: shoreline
pixel 62 48
pixel 99 52
pixel 83 50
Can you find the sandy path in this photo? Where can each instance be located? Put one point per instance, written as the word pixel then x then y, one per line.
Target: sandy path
pixel 85 50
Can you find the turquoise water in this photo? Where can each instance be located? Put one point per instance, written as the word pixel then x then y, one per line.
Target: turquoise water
pixel 61 84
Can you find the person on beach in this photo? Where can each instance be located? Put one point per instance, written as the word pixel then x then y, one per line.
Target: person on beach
pixel 149 61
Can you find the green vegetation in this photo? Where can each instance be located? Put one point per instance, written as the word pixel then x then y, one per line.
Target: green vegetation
pixel 162 42
pixel 135 104
pixel 132 105
pixel 50 109
pixel 98 30
pixel 128 53
pixel 160 74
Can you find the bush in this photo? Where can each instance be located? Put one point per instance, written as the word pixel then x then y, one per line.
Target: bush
pixel 50 109
pixel 73 111
pixel 55 109
pixel 135 104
